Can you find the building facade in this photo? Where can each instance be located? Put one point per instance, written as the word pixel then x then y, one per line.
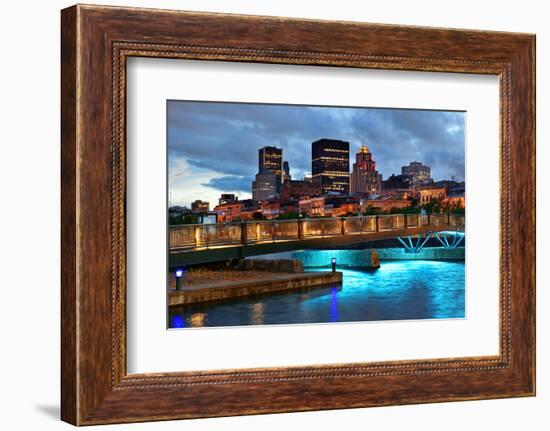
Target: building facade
pixel 418 173
pixel 225 213
pixel 227 198
pixel 432 194
pixel 365 178
pixel 385 203
pixel 396 182
pixel 264 187
pixel 200 207
pixel 296 189
pixel 270 159
pixel 330 165
pixel 286 172
pixel 315 207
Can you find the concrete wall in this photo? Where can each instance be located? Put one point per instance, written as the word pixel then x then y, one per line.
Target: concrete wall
pixel 236 289
pixel 344 258
pixel 362 258
pixel 427 253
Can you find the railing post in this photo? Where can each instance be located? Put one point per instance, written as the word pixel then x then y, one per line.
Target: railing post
pixel 323 227
pixel 300 229
pixel 405 224
pixel 377 224
pixel 244 233
pixel 343 226
pixel 429 220
pixel 272 231
pixel 448 219
pixel 417 221
pixel 196 235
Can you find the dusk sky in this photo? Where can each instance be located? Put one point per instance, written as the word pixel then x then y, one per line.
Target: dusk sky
pixel 213 147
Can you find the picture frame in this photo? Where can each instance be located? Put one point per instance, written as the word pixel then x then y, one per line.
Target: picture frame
pixel 96 41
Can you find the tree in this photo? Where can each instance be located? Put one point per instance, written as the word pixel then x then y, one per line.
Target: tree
pixel 291 215
pixel 183 219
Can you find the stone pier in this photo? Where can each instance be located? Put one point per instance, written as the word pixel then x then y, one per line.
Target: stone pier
pixel 269 283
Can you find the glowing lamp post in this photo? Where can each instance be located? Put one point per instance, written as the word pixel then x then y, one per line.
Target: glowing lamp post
pixel 333 262
pixel 179 278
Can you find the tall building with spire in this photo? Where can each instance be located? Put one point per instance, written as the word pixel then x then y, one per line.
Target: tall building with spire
pixel 364 176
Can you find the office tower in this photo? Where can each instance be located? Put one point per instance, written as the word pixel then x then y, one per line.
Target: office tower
pixel 330 165
pixel 286 172
pixel 264 187
pixel 271 159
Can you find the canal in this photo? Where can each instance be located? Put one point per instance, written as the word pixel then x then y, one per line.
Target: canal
pixel 398 290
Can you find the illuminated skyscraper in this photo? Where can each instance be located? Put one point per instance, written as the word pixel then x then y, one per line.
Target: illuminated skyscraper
pixel 364 176
pixel 330 165
pixel 271 159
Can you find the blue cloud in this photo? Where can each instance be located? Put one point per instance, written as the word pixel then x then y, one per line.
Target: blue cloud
pixel 230 183
pixel 225 137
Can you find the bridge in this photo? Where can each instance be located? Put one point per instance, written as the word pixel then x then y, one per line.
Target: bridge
pixel 204 243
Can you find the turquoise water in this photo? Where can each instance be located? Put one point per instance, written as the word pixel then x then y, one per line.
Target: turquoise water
pixel 398 290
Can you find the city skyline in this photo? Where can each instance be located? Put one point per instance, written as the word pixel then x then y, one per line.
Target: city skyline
pixel 213 146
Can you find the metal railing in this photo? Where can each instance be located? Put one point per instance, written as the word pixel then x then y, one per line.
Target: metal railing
pixel 192 236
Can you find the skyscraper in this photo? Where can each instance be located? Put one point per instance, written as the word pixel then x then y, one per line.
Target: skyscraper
pixel 271 159
pixel 364 176
pixel 418 173
pixel 330 165
pixel 264 187
pixel 286 172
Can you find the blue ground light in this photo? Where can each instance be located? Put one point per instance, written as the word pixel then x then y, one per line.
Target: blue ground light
pixel 398 290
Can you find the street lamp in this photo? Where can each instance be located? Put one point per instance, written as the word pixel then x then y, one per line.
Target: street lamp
pixel 333 262
pixel 179 278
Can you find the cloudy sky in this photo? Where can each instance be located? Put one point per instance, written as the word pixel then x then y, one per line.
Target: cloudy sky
pixel 213 147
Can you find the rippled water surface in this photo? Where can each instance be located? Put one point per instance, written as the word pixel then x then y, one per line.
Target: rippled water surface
pixel 399 290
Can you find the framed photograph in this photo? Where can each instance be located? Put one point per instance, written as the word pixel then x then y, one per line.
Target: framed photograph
pixel 322 214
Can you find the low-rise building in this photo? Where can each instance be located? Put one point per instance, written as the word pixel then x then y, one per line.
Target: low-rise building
pixel 385 203
pixel 315 207
pixel 226 213
pixel 345 209
pixel 432 194
pixel 298 189
pixel 455 198
pixel 200 207
pixel 330 206
pixel 227 198
pixel 270 209
pixel 396 182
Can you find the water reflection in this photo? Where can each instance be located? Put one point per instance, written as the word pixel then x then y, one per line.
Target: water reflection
pixel 257 316
pixel 399 290
pixel 197 319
